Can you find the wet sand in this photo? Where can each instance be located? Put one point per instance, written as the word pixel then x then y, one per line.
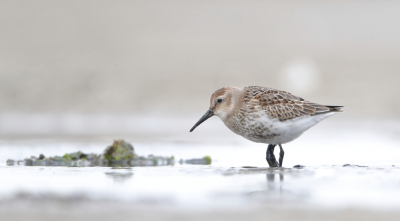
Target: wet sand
pixel 116 211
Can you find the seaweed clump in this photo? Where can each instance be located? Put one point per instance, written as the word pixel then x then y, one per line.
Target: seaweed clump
pixel 119 150
pixel 120 153
pixel 197 161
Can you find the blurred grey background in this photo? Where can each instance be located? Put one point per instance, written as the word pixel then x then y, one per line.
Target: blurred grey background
pixel 153 58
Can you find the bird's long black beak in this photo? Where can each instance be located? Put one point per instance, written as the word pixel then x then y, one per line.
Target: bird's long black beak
pixel 207 115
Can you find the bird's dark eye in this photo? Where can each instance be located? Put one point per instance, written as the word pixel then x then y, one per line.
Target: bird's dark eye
pixel 219 100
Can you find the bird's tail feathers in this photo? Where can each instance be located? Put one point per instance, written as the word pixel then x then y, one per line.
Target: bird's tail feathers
pixel 335 108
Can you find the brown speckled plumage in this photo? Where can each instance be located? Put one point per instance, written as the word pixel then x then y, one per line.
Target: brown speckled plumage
pixel 281 104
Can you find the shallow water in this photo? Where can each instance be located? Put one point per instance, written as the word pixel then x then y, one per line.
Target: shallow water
pixel 237 178
pixel 214 186
pixel 205 187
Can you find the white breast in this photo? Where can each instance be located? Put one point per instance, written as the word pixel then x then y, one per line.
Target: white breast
pixel 259 127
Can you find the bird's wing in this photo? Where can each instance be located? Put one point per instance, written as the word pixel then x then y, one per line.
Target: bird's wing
pixel 284 105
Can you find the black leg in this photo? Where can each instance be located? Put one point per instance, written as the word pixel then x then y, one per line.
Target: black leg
pixel 281 154
pixel 271 157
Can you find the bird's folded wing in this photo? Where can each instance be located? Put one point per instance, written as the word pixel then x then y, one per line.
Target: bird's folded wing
pixel 284 105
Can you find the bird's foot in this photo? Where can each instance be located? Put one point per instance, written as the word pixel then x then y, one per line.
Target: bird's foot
pixel 272 162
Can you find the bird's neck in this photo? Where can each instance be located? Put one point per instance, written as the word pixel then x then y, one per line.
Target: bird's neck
pixel 236 102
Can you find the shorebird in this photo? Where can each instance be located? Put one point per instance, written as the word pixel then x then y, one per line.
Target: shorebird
pixel 266 115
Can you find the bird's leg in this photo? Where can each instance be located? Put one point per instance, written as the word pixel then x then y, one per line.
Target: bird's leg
pixel 281 154
pixel 271 157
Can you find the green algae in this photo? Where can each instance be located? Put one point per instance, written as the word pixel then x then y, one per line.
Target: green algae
pixel 118 154
pixel 119 150
pixel 207 160
pixel 197 161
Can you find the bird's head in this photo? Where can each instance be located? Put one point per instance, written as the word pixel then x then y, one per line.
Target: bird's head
pixel 223 103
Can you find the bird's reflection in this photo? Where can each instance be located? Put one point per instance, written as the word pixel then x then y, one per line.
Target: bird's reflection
pixel 271 184
pixel 276 190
